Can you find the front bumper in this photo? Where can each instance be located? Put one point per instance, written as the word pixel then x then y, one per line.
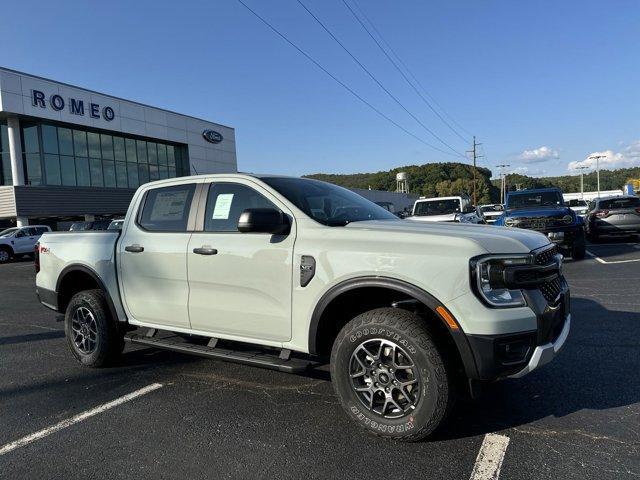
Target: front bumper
pixel 543 354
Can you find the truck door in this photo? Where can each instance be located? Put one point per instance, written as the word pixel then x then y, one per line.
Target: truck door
pixel 24 240
pixel 240 283
pixel 152 256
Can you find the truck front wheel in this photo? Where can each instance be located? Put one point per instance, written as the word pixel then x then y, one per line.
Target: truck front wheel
pixel 390 376
pixel 91 333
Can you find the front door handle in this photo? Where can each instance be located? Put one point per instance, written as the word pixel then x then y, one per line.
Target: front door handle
pixel 205 251
pixel 134 248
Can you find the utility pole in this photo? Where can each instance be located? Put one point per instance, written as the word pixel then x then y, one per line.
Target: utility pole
pixel 582 168
pixel 597 159
pixel 503 185
pixel 475 157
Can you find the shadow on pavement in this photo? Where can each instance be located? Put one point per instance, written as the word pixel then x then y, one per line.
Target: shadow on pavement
pixel 31 337
pixel 597 370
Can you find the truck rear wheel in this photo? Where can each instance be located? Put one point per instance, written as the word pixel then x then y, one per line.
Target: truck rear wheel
pixel 390 376
pixel 5 254
pixel 91 333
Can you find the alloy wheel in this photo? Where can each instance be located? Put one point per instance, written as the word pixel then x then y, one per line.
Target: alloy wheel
pixel 384 378
pixel 85 330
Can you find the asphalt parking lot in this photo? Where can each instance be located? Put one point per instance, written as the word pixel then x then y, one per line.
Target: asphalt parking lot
pixel 578 417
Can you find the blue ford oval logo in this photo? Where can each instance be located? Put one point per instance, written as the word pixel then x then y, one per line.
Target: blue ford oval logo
pixel 212 136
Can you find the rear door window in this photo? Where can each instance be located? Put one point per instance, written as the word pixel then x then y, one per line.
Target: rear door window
pixel 167 209
pixel 616 203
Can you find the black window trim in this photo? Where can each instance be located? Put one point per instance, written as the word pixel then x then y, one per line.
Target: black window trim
pixel 193 208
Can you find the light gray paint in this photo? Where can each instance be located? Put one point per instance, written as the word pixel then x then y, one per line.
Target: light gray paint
pixel 130 117
pixel 7 203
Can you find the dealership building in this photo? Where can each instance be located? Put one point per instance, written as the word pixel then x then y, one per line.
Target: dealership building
pixel 69 153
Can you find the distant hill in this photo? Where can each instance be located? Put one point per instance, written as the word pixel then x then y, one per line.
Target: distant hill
pixel 431 180
pixel 443 179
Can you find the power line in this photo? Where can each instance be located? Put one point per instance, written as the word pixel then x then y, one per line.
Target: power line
pixel 341 83
pixel 402 73
pixel 373 77
pixel 453 120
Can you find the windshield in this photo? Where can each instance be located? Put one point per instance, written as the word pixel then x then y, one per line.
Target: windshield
pixel 577 203
pixel 8 232
pixel 326 203
pixel 115 225
pixel 614 203
pixel 535 199
pixel 79 226
pixel 437 207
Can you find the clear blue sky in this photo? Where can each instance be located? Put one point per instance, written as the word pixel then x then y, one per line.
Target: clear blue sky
pixel 556 79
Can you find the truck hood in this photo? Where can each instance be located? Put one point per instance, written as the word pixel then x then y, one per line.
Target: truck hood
pixel 489 238
pixel 538 212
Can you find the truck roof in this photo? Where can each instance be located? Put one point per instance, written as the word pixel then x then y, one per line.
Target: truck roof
pixel 535 190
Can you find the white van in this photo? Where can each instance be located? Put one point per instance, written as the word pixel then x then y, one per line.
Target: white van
pixel 20 241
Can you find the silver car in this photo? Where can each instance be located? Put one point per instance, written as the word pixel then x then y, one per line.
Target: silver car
pixel 613 216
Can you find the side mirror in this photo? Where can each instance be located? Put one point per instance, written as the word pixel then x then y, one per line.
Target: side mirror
pixel 264 220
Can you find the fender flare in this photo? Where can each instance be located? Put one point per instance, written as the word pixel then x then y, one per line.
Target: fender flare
pixel 94 275
pixel 431 302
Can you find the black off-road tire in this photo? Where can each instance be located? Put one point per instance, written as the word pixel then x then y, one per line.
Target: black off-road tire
pixel 109 339
pixel 412 334
pixel 7 254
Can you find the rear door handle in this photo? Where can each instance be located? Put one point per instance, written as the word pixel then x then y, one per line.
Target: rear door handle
pixel 205 251
pixel 134 248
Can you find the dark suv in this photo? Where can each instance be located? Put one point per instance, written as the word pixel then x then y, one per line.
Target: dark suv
pixel 613 216
pixel 544 210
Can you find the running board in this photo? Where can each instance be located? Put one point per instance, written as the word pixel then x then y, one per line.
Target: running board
pixel 256 358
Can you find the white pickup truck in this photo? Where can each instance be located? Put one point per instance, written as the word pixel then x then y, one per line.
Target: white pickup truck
pixel 409 315
pixel 444 209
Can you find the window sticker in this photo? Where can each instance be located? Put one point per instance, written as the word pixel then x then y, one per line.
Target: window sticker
pixel 222 207
pixel 169 206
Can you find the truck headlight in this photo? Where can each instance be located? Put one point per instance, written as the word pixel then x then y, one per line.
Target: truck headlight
pixel 489 280
pixel 510 222
pixel 568 219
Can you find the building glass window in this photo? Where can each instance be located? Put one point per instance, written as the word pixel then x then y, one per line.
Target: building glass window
pixel 55 155
pixel 141 148
pixel 95 166
pixel 49 139
pixel 106 142
pixel 82 172
pixel 68 170
pixel 130 145
pixel 118 149
pixel 79 143
pixel 93 140
pixel 109 170
pixel 52 169
pixel 5 164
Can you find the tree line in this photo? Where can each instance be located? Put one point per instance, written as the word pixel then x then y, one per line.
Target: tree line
pixel 452 178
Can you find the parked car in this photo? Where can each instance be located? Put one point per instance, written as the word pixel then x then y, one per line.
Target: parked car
pixel 18 241
pixel 445 209
pixel 544 210
pixel 90 225
pixel 408 314
pixel 490 213
pixel 613 216
pixel 579 206
pixel 116 224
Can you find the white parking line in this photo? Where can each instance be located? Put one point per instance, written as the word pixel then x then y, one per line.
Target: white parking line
pixel 77 418
pixel 490 457
pixel 605 262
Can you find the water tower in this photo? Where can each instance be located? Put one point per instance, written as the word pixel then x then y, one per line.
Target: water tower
pixel 402 182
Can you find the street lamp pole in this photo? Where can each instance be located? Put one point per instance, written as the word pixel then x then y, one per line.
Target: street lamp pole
pixel 597 159
pixel 503 185
pixel 581 168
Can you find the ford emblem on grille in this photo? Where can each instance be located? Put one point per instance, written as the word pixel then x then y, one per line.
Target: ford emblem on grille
pixel 212 136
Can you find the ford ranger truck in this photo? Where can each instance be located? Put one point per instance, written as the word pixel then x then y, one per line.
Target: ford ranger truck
pixel 544 211
pixel 287 273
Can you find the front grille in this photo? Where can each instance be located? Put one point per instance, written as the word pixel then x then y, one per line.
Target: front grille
pixel 551 289
pixel 545 257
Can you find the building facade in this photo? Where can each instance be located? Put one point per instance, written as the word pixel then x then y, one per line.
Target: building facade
pixel 68 153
